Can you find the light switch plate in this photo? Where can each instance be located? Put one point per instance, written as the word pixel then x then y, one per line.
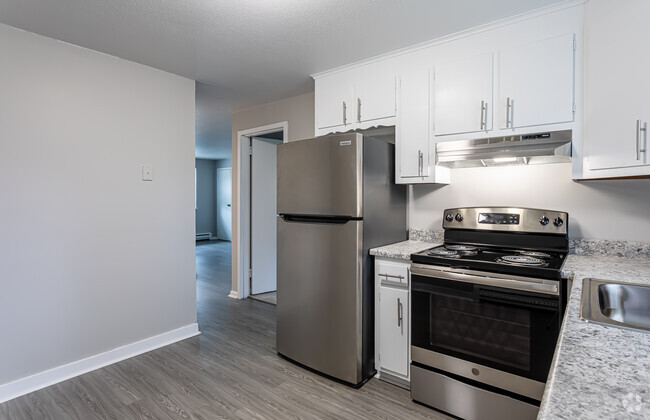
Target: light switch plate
pixel 147 172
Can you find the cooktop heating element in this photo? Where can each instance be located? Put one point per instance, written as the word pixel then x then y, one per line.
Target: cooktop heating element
pixel 535 254
pixel 443 252
pixel 522 260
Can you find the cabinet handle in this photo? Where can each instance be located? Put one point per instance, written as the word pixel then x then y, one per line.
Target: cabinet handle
pixel 483 119
pixel 420 163
pixel 639 128
pixel 392 276
pixel 358 109
pixel 508 107
pixel 399 313
pixel 345 111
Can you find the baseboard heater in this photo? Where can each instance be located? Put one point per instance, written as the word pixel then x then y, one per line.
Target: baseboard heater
pixel 203 236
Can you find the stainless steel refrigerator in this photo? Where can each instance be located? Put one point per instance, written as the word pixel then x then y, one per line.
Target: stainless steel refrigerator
pixel 337 198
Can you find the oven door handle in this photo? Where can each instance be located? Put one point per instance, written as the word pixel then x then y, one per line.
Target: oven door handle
pixel 509 282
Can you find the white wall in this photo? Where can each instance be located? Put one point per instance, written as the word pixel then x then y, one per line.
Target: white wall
pixel 614 209
pixel 91 257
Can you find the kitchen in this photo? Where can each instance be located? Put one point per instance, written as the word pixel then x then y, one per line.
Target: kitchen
pixel 614 210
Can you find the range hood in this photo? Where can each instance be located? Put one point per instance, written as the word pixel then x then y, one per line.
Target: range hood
pixel 528 149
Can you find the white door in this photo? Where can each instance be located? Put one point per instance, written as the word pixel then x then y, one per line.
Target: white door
pixel 463 95
pixel 224 204
pixel 413 128
pixel 335 101
pixel 263 215
pixel 375 95
pixel 394 329
pixel 617 85
pixel 537 80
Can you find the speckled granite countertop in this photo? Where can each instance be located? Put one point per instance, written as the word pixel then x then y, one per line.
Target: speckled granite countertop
pixel 599 372
pixel 402 250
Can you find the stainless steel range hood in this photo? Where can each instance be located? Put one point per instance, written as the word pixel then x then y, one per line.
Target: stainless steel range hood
pixel 529 149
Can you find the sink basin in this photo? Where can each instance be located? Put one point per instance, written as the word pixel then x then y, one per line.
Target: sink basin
pixel 624 305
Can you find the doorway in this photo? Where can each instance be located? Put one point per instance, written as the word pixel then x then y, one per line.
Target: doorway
pixel 255 226
pixel 224 204
pixel 263 253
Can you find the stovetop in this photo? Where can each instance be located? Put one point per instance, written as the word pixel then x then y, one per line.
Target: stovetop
pixel 515 261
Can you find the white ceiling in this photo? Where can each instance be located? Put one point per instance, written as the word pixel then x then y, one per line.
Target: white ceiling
pixel 250 51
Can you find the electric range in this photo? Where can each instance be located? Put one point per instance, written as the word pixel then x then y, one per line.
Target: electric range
pixel 487 307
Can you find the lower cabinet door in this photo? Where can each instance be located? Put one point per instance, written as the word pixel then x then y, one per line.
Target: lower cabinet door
pixel 394 330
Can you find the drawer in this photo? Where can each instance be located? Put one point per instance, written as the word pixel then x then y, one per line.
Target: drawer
pixel 392 274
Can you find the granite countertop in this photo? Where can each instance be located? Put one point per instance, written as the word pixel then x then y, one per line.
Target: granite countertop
pixel 599 371
pixel 402 250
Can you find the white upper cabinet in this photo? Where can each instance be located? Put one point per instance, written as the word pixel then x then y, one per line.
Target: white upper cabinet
pixel 414 146
pixel 358 98
pixel 334 101
pixel 617 88
pixel 376 94
pixel 463 95
pixel 536 83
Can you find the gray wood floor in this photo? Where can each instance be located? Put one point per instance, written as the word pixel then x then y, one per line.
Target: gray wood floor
pixel 230 371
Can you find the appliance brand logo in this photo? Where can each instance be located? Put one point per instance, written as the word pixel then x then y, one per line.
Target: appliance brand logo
pixel 345 143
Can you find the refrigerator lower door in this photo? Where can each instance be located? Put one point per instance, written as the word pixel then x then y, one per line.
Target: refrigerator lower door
pixel 319 300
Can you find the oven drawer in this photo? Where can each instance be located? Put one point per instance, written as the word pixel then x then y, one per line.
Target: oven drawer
pixel 465 401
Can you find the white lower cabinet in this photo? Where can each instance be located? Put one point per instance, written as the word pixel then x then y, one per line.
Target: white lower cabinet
pixel 392 320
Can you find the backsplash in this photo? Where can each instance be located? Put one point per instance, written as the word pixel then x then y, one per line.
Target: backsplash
pixel 602 247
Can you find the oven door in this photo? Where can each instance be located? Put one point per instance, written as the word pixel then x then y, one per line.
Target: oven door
pixel 505 323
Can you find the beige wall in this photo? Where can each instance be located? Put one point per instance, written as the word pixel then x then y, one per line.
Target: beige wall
pixel 299 113
pixel 91 257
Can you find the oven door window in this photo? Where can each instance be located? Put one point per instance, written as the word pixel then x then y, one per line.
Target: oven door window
pixel 501 334
pixel 511 331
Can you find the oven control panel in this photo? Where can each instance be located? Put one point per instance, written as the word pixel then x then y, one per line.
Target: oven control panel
pixel 508 219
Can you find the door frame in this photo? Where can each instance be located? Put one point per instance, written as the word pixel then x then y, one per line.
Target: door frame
pixel 242 225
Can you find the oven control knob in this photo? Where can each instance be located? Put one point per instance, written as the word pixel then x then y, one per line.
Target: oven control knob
pixel 449 217
pixel 459 217
pixel 543 220
pixel 558 222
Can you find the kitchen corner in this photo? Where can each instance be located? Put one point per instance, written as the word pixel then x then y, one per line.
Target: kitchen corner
pixel 598 371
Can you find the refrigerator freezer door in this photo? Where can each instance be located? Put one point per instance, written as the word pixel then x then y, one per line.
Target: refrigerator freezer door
pixel 321 176
pixel 319 296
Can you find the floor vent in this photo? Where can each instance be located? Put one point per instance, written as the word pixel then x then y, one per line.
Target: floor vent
pixel 203 236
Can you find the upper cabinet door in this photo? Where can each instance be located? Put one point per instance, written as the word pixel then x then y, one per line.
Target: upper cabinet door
pixel 413 128
pixel 335 101
pixel 617 86
pixel 375 93
pixel 536 83
pixel 463 95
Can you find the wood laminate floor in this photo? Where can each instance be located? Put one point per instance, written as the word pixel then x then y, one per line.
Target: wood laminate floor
pixel 270 297
pixel 230 371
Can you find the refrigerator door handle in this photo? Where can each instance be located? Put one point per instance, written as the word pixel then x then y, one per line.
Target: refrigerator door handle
pixel 299 218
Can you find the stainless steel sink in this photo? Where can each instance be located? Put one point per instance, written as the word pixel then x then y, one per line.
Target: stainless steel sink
pixel 624 305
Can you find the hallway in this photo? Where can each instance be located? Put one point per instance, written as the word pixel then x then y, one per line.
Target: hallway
pixel 229 371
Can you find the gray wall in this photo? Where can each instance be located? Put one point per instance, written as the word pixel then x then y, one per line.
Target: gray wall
pixel 206 218
pixel 91 257
pixel 612 209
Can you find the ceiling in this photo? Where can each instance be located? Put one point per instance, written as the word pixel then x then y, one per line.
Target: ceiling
pixel 250 52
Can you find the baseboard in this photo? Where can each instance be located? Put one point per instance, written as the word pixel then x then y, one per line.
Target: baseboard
pixel 234 294
pixel 58 374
